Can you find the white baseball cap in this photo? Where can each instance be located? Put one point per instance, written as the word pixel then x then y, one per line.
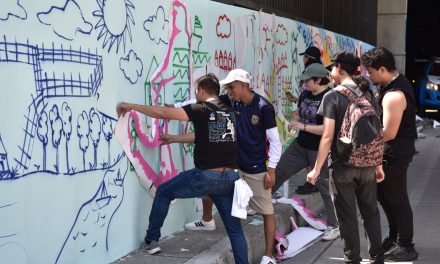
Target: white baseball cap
pixel 237 75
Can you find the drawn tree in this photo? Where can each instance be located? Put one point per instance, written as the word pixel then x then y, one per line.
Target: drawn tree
pixel 66 115
pixel 56 125
pixel 42 134
pixel 95 132
pixel 83 131
pixel 107 130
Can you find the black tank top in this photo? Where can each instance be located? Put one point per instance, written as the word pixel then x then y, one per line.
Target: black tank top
pixel 403 144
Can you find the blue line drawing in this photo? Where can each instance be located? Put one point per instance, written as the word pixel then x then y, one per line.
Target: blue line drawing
pixel 107 130
pixel 56 15
pixel 83 130
pixel 305 31
pixel 94 217
pixel 48 124
pixel 95 133
pixel 4 166
pixel 115 22
pixel 12 8
pixel 66 115
pixel 56 126
pixel 131 66
pixel 157 26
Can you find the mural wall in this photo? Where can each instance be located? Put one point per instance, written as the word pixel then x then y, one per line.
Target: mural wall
pixel 67 192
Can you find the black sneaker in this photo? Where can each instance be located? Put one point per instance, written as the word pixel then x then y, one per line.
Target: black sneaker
pixel 307 188
pixel 388 243
pixel 400 253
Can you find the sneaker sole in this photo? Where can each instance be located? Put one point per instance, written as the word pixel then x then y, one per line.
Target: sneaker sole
pixel 153 251
pixel 400 260
pixel 198 228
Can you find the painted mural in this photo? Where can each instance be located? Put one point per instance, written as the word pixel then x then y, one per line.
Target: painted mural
pixel 67 191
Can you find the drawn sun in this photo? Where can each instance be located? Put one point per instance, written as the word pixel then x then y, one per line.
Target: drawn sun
pixel 115 22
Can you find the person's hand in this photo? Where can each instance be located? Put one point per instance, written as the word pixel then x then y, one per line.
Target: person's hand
pixel 123 108
pixel 295 125
pixel 312 176
pixel 380 174
pixel 166 139
pixel 269 178
pixel 292 98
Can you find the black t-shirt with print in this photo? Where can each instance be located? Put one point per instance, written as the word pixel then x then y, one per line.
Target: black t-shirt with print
pixel 215 139
pixel 308 112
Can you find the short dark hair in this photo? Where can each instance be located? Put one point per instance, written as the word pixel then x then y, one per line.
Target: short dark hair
pixel 209 83
pixel 324 80
pixel 379 57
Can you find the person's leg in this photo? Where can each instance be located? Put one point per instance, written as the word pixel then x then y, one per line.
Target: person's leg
pixel 343 193
pixel 291 162
pixel 382 188
pixel 269 233
pixel 222 196
pixel 261 202
pixel 396 194
pixel 178 187
pixel 207 209
pixel 323 187
pixel 367 202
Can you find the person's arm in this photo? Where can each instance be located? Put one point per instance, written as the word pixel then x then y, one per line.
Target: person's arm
pixel 295 115
pixel 274 156
pixel 393 105
pixel 324 148
pixel 153 111
pixel 183 103
pixel 169 139
pixel 314 129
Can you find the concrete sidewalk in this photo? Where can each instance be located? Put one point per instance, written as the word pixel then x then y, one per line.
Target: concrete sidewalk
pixel 214 246
pixel 424 195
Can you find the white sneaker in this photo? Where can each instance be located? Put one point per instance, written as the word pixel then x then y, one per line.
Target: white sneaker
pixel 251 211
pixel 268 260
pixel 331 233
pixel 201 225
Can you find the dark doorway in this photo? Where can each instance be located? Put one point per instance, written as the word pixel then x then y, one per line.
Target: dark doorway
pixel 422 36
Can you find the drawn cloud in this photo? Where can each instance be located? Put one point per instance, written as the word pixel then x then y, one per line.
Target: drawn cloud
pixel 62 27
pixel 131 66
pixel 157 26
pixel 223 27
pixel 12 8
pixel 281 34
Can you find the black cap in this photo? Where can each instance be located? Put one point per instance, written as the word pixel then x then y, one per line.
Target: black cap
pixel 312 52
pixel 344 57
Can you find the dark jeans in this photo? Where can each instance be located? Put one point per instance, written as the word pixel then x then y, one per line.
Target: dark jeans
pixel 349 185
pixel 196 183
pixel 296 158
pixel 393 196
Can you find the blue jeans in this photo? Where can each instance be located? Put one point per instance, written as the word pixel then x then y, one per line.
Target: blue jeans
pixel 196 183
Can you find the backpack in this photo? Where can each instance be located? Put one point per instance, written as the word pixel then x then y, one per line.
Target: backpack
pixel 360 139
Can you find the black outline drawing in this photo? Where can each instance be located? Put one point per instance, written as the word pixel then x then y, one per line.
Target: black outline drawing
pixel 71 12
pixel 8 13
pixel 131 66
pixel 45 121
pixel 155 36
pixel 111 37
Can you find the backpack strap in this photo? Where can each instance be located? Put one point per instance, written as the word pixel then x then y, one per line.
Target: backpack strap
pixel 351 96
pixel 345 91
